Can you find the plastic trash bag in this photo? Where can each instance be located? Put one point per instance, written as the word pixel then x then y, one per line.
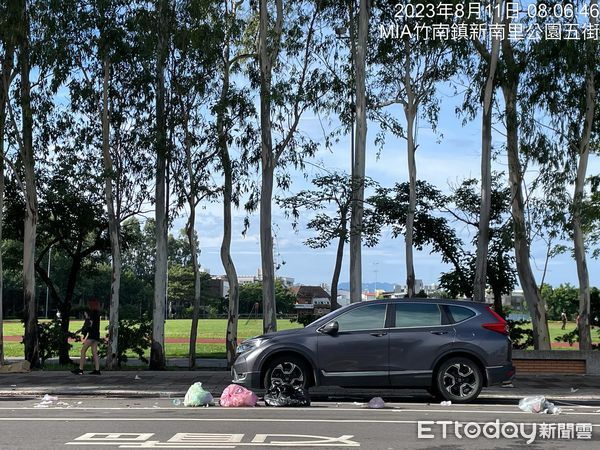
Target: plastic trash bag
pixel 376 403
pixel 538 405
pixel 285 394
pixel 235 395
pixel 197 396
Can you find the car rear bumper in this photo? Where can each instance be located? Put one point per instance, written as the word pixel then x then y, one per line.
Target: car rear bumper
pixel 500 374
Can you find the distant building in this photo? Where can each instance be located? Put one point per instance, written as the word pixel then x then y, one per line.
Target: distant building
pixel 311 300
pixel 246 279
pixel 343 298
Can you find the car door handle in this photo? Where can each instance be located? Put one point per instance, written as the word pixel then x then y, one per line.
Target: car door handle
pixel 379 334
pixel 439 333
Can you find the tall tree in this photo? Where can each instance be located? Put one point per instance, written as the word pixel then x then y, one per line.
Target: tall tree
pixel 583 152
pixel 512 64
pixel 157 352
pixel 296 88
pixel 359 156
pixel 31 206
pixel 7 47
pixel 407 72
pixel 232 107
pixel 561 85
pixel 479 283
pixel 332 197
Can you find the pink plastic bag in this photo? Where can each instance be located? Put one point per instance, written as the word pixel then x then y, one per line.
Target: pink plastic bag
pixel 236 395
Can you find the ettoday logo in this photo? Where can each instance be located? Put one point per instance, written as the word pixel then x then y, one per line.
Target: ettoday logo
pixel 509 430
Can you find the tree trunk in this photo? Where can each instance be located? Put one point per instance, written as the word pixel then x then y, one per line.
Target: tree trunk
pixel 112 359
pixel 339 257
pixel 268 161
pixel 479 282
pixel 410 111
pixel 358 172
pixel 31 212
pixel 157 352
pixel 2 122
pixel 535 302
pixel 66 306
pixel 585 339
pixel 189 229
pixel 226 260
pixel 7 68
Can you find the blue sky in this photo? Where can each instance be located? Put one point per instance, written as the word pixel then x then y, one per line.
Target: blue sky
pixel 441 160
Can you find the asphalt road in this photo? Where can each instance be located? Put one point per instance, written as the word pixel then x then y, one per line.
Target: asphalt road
pixel 88 422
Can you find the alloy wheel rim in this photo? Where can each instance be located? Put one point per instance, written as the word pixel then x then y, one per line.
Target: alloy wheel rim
pixel 460 380
pixel 288 372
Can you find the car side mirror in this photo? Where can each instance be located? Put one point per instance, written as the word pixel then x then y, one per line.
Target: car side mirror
pixel 331 328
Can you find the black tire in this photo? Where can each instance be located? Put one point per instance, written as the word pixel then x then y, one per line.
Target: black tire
pixel 287 369
pixel 459 380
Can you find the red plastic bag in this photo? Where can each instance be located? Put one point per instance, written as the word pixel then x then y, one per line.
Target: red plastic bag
pixel 236 395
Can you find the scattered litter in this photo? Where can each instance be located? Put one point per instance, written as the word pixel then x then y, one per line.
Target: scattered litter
pixel 79 403
pixel 62 404
pixel 285 394
pixel 574 389
pixel 197 396
pixel 137 377
pixel 176 402
pixel 538 405
pixel 41 405
pixel 49 398
pixel 376 403
pixel 358 404
pixel 446 403
pixel 235 395
pixel 508 385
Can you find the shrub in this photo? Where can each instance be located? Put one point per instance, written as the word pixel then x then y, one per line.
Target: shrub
pixel 134 335
pixel 304 319
pixel 50 335
pixel 521 337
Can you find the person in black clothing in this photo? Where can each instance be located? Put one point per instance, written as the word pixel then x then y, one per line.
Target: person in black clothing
pixel 91 332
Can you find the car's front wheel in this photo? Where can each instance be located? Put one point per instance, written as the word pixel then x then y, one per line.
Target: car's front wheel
pixel 459 380
pixel 287 369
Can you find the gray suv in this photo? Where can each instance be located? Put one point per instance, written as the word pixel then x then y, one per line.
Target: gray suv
pixel 452 348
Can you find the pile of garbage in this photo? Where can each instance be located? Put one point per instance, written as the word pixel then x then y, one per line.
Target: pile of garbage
pixel 538 405
pixel 235 396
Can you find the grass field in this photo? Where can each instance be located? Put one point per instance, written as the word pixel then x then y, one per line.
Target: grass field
pixel 207 328
pixel 214 329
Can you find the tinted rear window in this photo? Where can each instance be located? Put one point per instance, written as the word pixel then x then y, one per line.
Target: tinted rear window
pixel 417 315
pixel 459 313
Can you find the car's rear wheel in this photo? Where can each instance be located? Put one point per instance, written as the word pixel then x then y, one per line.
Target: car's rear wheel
pixel 459 380
pixel 287 369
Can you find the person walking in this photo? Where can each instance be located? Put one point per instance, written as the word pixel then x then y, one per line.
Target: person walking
pixel 563 317
pixel 91 332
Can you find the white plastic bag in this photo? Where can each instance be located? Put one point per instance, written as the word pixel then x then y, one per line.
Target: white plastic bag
pixel 538 405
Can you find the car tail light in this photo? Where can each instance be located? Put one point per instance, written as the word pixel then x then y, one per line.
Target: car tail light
pixel 500 326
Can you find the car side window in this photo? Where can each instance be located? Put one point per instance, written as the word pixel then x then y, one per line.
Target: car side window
pixel 371 317
pixel 458 313
pixel 417 315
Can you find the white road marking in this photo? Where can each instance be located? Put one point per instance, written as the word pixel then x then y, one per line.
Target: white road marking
pixel 450 409
pixel 229 419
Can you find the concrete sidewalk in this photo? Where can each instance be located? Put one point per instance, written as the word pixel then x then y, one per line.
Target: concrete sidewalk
pixel 174 384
